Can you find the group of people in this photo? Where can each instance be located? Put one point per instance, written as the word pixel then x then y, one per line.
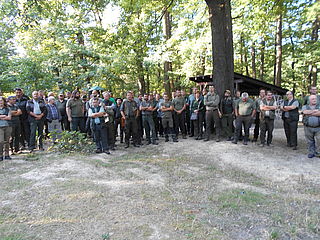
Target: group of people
pixel 24 121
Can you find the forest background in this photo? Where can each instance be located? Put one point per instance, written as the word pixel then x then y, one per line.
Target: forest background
pixel 152 45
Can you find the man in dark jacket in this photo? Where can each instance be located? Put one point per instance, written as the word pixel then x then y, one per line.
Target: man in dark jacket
pixel 21 101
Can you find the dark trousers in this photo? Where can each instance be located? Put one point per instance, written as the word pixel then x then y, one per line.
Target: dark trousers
pixel 110 133
pixel 266 126
pixel 78 124
pixel 167 124
pixel 179 123
pixel 36 126
pixel 131 129
pixel 100 136
pixel 25 132
pixel 139 129
pixel 188 121
pixel 15 137
pixel 246 122
pixel 198 124
pixel 312 136
pixel 117 123
pixel 257 126
pixel 227 124
pixel 65 124
pixel 212 118
pixel 290 129
pixel 148 125
pixel 191 126
pixel 159 127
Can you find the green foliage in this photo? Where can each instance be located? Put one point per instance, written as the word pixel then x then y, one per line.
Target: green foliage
pixel 73 142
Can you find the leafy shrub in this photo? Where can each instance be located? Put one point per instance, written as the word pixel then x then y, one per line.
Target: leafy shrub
pixel 69 142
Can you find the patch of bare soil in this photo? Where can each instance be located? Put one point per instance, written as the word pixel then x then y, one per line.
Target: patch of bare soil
pixel 186 190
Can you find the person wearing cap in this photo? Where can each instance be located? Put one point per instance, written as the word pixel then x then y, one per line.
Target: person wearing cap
pixel 15 124
pixel 227 111
pixel 53 118
pixel 245 110
pixel 61 104
pixel 75 112
pixel 37 111
pixel 211 102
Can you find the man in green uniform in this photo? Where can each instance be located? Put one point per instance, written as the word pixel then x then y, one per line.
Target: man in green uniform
pixel 147 108
pixel 179 105
pixel 166 108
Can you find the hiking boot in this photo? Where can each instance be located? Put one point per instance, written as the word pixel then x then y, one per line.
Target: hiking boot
pixel 98 151
pixel 206 140
pixel 234 142
pixel 126 146
pixel 184 137
pixel 7 158
pixel 245 142
pixel 106 152
pixel 311 155
pixel 136 145
pixel 261 145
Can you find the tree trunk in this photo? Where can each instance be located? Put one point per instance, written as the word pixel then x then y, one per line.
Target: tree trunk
pixel 168 85
pixel 263 48
pixel 314 39
pixel 222 44
pixel 278 62
pixel 241 53
pixel 253 61
pixel 141 81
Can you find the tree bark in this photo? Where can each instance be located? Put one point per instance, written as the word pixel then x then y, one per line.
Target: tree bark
pixel 262 55
pixel 222 44
pixel 278 46
pixel 253 61
pixel 168 85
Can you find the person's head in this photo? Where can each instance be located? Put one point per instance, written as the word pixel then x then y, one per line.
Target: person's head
pixel 129 95
pixel 95 93
pixel 227 93
pixel 269 95
pixel 68 95
pixel 262 93
pixel 51 94
pixel 238 94
pixel 158 96
pixel 194 90
pixel 289 95
pixel 35 95
pixel 178 93
pixel 183 93
pixel 106 95
pixel 3 102
pixel 151 96
pixel 165 97
pixel 140 97
pixel 41 94
pixel 12 100
pixel 211 89
pixel 244 96
pixel 76 94
pixel 197 94
pixel 51 100
pixel 84 98
pixel 95 102
pixel 61 96
pixel 146 97
pixel 313 90
pixel 19 92
pixel 313 100
pixel 204 91
pixel 119 101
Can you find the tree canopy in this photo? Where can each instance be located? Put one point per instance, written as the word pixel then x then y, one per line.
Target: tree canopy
pixel 67 44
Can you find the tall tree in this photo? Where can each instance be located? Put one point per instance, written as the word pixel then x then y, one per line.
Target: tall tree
pixel 167 32
pixel 222 44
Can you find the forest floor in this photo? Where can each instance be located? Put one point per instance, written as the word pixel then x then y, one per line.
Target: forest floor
pixel 185 190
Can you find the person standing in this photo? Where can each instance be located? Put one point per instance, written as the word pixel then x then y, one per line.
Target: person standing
pixel 15 124
pixel 62 107
pixel 267 116
pixel 290 116
pixel 197 116
pixel 313 91
pixel 191 99
pixel 75 112
pixel 159 127
pixel 227 112
pixel 262 95
pixel 147 108
pixel 109 107
pixel 245 111
pixel 187 112
pixel 54 119
pixel 21 101
pixel 211 102
pixel 5 129
pixel 37 111
pixel 179 105
pixel 167 121
pixel 96 113
pixel 117 119
pixel 129 112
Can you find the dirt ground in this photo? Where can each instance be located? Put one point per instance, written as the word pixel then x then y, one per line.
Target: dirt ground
pixel 185 190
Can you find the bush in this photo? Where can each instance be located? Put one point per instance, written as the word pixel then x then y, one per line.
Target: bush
pixel 69 142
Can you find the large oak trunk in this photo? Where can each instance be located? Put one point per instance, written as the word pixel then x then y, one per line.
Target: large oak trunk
pixel 222 44
pixel 278 46
pixel 167 84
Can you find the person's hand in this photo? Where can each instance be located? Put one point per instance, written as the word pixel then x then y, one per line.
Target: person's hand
pixel 70 119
